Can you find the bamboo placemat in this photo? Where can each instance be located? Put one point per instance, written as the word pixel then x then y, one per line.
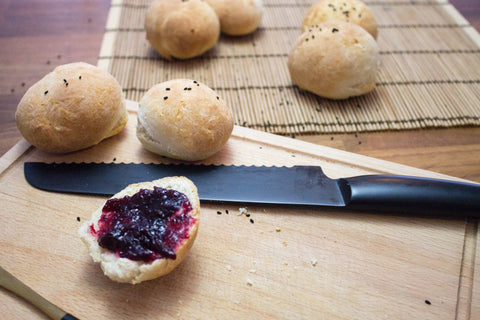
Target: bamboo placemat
pixel 430 74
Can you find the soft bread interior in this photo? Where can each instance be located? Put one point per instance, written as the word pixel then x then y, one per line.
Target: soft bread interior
pixel 129 271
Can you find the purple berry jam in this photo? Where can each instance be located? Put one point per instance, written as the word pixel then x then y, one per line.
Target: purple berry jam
pixel 148 225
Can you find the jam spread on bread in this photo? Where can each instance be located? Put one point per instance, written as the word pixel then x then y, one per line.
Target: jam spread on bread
pixel 148 225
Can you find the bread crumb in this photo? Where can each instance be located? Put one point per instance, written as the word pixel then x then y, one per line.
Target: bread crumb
pixel 228 267
pixel 252 270
pixel 284 243
pixel 242 211
pixel 278 229
pixel 249 282
pixel 314 262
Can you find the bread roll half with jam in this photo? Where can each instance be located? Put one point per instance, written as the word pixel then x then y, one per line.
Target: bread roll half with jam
pixel 144 231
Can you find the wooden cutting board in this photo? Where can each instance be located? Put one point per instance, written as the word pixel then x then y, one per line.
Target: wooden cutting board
pixel 290 263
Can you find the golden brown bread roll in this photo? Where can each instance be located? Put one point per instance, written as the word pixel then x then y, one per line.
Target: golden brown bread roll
pixel 137 235
pixel 181 29
pixel 183 119
pixel 238 17
pixel 354 11
pixel 75 106
pixel 335 60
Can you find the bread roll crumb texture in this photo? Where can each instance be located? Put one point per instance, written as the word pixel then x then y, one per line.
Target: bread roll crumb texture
pixel 128 271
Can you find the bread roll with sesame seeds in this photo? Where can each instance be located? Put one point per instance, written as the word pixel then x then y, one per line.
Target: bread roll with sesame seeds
pixel 354 11
pixel 335 60
pixel 181 29
pixel 183 119
pixel 238 17
pixel 75 106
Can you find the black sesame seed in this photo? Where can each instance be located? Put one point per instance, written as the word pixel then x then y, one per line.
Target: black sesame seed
pixel 189 88
pixel 194 81
pixel 80 77
pixel 251 220
pixel 46 91
pixel 23 84
pixel 226 211
pixel 219 212
pixel 185 88
pixel 428 302
pixel 247 215
pixel 165 98
pixel 65 80
pixel 334 30
pixel 218 98
pixel 168 89
pixel 78 218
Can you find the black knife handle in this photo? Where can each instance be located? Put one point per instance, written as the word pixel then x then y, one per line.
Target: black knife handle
pixel 412 194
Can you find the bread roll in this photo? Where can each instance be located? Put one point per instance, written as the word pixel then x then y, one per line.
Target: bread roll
pixel 183 119
pixel 354 11
pixel 238 17
pixel 148 244
pixel 335 60
pixel 181 29
pixel 75 106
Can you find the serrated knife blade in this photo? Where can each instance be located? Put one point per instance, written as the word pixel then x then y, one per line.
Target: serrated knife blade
pixel 297 185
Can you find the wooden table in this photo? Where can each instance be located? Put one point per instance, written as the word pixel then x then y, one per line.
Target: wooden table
pixel 37 35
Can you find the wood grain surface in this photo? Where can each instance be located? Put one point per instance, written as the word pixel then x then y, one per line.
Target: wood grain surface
pixel 289 263
pixel 367 266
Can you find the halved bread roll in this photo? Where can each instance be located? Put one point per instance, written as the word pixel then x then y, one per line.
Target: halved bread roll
pixel 144 231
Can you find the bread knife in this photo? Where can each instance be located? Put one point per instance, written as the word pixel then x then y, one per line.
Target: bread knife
pixel 297 185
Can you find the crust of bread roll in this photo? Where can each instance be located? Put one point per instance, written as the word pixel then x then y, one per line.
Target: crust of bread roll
pixel 354 11
pixel 238 17
pixel 181 29
pixel 128 271
pixel 335 60
pixel 183 119
pixel 75 106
